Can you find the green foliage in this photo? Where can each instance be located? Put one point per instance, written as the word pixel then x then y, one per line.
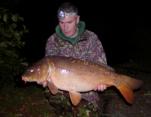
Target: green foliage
pixel 12 31
pixel 61 104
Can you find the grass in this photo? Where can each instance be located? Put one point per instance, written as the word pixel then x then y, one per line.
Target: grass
pixel 35 101
pixel 21 102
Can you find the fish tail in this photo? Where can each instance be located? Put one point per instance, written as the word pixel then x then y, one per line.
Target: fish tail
pixel 126 92
pixel 126 85
pixel 133 83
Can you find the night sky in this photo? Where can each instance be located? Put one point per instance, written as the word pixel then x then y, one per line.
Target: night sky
pixel 124 28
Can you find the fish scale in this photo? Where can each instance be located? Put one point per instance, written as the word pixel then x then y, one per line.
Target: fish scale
pixel 78 76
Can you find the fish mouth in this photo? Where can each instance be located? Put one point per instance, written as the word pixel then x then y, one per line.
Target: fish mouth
pixel 27 79
pixel 24 78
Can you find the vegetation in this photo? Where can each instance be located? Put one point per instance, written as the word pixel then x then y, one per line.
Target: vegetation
pixel 12 31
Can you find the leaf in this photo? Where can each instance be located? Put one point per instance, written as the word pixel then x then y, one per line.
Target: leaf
pixel 12 31
pixel 14 18
pixel 5 17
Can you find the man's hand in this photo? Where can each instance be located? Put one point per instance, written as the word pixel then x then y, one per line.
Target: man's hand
pixel 101 87
pixel 43 83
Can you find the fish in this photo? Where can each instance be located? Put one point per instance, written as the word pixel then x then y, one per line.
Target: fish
pixel 77 76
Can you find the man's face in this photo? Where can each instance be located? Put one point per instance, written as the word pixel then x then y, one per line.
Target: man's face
pixel 68 25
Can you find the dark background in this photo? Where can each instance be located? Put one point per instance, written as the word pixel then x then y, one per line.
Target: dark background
pixel 124 27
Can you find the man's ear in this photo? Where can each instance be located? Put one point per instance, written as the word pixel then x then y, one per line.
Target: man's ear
pixel 78 19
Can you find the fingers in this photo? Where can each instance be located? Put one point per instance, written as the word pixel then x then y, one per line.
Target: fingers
pixel 44 84
pixel 101 87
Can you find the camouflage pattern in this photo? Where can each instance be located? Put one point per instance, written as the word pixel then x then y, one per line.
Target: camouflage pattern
pixel 88 47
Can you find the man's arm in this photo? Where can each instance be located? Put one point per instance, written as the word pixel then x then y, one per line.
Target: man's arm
pixel 96 51
pixel 98 56
pixel 51 48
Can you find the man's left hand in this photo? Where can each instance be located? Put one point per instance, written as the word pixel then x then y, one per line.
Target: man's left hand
pixel 101 87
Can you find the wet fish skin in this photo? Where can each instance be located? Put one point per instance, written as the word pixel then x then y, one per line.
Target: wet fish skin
pixel 78 76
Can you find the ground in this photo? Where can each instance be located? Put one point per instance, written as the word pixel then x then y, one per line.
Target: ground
pixel 30 100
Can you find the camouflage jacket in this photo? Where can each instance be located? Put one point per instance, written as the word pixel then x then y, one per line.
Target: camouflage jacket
pixel 88 47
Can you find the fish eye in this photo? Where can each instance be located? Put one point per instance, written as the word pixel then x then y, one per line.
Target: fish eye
pixel 31 70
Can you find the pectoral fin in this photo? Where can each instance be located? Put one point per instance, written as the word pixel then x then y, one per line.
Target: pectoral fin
pixel 75 97
pixel 53 89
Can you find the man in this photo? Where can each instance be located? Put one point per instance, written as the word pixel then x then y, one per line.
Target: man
pixel 71 39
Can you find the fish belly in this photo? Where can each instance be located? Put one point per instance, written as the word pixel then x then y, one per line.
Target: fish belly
pixel 72 82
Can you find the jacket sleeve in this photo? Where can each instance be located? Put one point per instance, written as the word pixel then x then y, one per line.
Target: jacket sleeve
pixel 51 47
pixel 96 50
